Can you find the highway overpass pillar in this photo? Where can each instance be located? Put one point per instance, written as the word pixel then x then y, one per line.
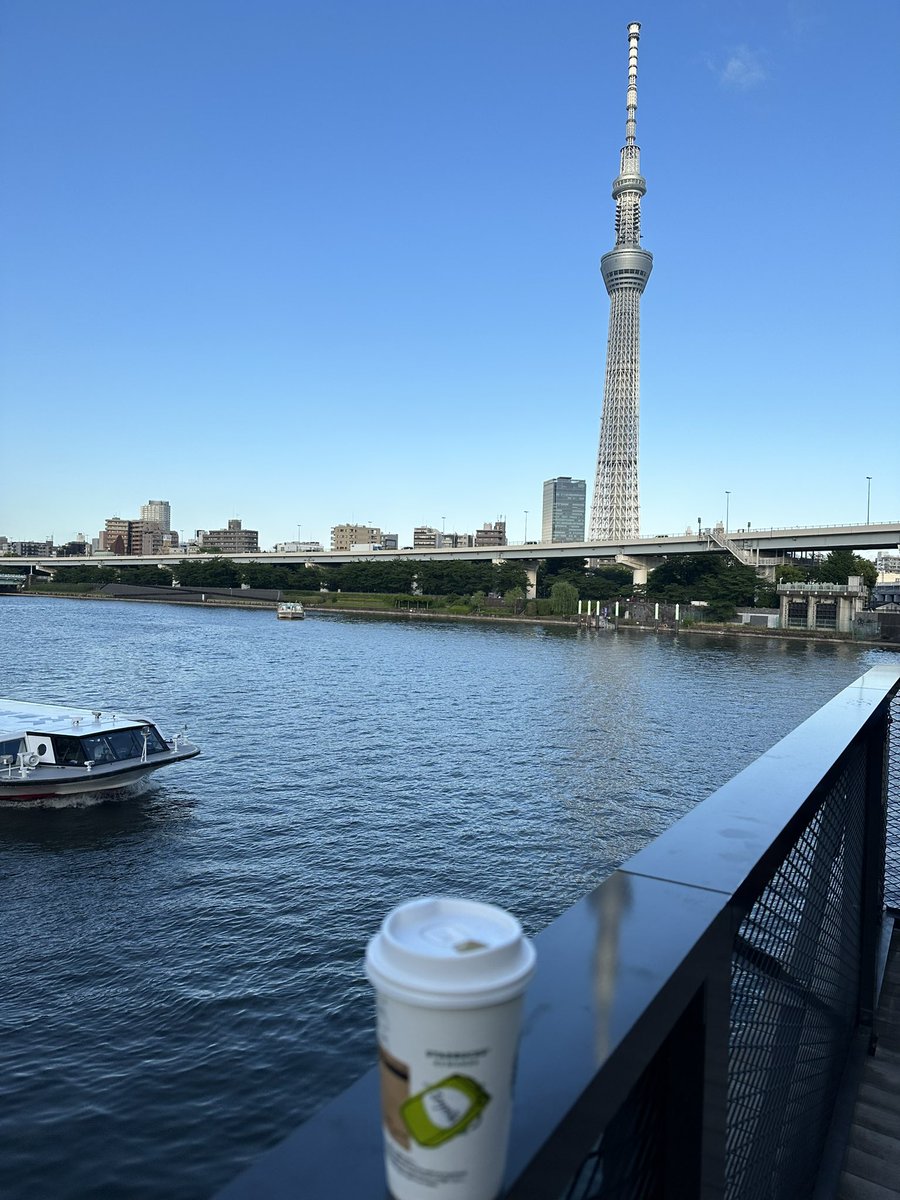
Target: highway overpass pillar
pixel 531 569
pixel 640 567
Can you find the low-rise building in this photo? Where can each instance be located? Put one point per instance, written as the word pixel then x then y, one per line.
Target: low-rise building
pixel 345 536
pixel 491 534
pixel 426 538
pixel 888 567
pixel 30 549
pixel 459 541
pixel 298 547
pixel 233 540
pixel 822 605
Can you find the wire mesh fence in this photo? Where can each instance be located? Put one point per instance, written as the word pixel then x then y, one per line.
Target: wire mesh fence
pixel 795 981
pixel 627 1163
pixel 892 855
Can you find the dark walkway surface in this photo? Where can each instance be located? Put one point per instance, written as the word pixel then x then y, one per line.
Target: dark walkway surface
pixel 872 1162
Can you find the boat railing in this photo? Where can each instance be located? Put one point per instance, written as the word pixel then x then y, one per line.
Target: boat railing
pixel 693 1019
pixel 23 763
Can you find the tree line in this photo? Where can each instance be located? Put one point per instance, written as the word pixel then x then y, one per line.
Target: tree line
pixel 720 580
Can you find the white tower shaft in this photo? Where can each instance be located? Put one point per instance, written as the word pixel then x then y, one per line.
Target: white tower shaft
pixel 615 508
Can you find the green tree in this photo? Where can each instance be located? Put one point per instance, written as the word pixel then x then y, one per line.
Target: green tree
pixel 564 598
pixel 146 576
pixel 839 565
pixel 718 579
pixel 82 573
pixel 508 575
pixel 788 573
pixel 600 583
pixel 476 601
pixel 208 572
pixel 515 599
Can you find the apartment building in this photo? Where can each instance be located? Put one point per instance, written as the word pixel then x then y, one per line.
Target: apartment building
pixel 343 537
pixel 233 540
pixel 491 534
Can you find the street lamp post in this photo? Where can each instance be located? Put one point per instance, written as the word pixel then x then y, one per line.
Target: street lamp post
pixel 727 502
pixel 868 497
pixel 526 526
pixel 699 522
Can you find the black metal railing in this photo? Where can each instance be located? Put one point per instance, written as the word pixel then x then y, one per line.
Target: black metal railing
pixel 892 853
pixel 691 1019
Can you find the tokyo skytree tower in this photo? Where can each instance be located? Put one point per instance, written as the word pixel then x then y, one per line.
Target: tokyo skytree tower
pixel 615 508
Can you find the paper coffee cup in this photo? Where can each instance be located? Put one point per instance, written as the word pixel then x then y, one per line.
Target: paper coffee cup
pixel 449 977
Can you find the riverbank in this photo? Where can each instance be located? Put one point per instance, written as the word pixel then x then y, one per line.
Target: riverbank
pixel 421 614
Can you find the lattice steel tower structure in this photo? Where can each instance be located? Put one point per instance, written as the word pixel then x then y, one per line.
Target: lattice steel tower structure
pixel 615 508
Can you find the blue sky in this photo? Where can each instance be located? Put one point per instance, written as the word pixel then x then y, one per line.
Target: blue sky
pixel 313 261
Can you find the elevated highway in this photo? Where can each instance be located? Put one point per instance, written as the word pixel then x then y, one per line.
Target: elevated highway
pixel 760 548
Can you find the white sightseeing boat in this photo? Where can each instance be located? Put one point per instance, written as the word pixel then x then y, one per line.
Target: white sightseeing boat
pixel 49 750
pixel 291 611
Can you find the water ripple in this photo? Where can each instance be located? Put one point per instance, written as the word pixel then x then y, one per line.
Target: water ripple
pixel 182 979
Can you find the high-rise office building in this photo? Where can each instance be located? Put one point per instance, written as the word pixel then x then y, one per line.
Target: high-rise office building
pixel 563 513
pixel 615 507
pixel 159 511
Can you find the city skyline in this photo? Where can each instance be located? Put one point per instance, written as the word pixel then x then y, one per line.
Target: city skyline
pixel 314 264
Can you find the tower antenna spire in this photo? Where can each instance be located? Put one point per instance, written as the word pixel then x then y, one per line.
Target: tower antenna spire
pixel 615 507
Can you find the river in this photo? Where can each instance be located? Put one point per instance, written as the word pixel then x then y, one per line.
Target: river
pixel 182 979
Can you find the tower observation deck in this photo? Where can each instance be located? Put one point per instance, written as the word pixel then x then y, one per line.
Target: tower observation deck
pixel 615 507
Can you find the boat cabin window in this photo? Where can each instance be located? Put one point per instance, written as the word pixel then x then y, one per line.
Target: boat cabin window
pixel 97 749
pixel 122 744
pixel 12 746
pixel 67 751
pixel 127 743
pixel 155 744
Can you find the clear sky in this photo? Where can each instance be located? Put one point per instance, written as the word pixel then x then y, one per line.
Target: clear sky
pixel 312 261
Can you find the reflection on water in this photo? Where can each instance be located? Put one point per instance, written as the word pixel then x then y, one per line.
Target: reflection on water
pixel 182 969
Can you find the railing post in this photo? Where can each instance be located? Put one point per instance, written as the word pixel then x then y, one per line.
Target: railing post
pixel 698 1091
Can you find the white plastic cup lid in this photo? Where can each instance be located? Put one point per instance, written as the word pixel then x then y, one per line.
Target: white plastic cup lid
pixel 440 950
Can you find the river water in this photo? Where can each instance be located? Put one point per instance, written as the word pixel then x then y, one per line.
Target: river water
pixel 181 969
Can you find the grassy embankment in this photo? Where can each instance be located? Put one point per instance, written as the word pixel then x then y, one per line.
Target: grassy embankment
pixel 355 602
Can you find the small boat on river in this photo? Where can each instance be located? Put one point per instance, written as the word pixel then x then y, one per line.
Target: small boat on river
pixel 49 750
pixel 291 611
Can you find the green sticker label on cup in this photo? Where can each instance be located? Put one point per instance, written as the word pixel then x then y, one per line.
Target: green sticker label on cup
pixel 444 1110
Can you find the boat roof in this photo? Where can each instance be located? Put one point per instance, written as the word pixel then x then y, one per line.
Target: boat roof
pixel 19 716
